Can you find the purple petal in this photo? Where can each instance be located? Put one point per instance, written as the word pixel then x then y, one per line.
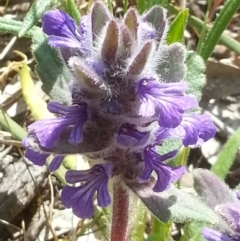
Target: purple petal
pixel 63 42
pixel 130 137
pixel 64 33
pixel 55 163
pixel 80 199
pixel 73 176
pixel 57 108
pixel 213 235
pixel 166 174
pixel 146 32
pixel 49 130
pixel 58 23
pixel 231 213
pixel 82 203
pixel 36 157
pixel 194 129
pixel 167 100
pixel 238 195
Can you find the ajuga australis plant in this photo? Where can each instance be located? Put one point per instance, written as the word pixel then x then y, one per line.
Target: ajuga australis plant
pixel 129 96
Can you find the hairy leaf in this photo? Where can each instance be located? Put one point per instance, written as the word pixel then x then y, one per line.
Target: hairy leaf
pixel 211 189
pixel 100 16
pixel 170 64
pixel 195 74
pixel 35 13
pixel 51 69
pixel 173 204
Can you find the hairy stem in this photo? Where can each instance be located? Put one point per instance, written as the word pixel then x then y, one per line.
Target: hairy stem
pixel 119 226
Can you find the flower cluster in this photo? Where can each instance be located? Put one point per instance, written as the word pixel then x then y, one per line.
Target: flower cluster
pixel 129 95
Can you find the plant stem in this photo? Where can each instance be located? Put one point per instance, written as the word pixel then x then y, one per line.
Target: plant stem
pixel 120 213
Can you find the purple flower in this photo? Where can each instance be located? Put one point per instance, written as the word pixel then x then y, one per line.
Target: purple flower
pixel 40 159
pixel 36 157
pixel 231 213
pixel 80 199
pixel 55 163
pixel 193 130
pixel 130 137
pixel 48 131
pixel 213 235
pixel 166 175
pixel 166 100
pixel 64 33
pixel 128 95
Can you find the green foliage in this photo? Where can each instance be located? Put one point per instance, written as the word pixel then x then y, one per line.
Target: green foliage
pixel 150 3
pixel 11 126
pixel 174 204
pixel 169 145
pixel 141 5
pixel 38 8
pixel 204 28
pixel 161 231
pixel 51 69
pixel 194 22
pixel 192 232
pixel 73 10
pixel 227 155
pixel 139 223
pixel 211 189
pixel 181 158
pixel 13 27
pixel 220 24
pixel 195 74
pixel 177 27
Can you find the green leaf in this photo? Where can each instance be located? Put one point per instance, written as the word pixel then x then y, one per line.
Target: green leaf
pixel 181 158
pixel 151 3
pixel 11 126
pixel 73 10
pixel 204 28
pixel 138 211
pixel 51 69
pixel 195 74
pixel 211 189
pixel 194 22
pixel 176 30
pixel 169 145
pixel 38 8
pixel 171 64
pixel 141 6
pixel 220 24
pixel 227 155
pixel 192 232
pixel 13 27
pixel 161 231
pixel 173 204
